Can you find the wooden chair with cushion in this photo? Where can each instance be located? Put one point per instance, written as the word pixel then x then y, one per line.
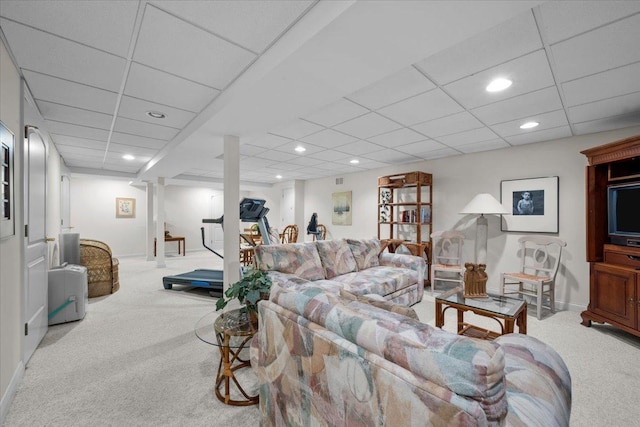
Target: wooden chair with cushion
pixel 539 262
pixel 447 265
pixel 102 268
pixel 323 232
pixel 290 234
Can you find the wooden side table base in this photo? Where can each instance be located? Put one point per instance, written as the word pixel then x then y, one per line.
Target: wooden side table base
pixel 230 361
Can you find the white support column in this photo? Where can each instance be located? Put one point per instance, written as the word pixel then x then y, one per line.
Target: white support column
pixel 150 229
pixel 231 246
pixel 160 224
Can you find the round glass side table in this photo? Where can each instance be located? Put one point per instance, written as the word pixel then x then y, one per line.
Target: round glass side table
pixel 231 332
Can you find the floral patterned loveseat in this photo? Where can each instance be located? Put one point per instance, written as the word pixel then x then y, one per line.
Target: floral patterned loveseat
pixel 325 360
pixel 354 265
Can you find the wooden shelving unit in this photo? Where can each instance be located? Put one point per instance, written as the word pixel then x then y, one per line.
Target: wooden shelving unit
pixel 405 211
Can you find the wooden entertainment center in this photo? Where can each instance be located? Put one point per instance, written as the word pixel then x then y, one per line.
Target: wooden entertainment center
pixel 614 282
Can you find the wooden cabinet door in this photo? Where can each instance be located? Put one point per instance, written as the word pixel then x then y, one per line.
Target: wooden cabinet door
pixel 613 293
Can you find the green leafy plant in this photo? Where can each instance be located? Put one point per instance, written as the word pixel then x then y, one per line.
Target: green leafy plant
pixel 254 286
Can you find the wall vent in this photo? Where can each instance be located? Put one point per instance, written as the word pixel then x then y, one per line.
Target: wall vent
pixel 339 181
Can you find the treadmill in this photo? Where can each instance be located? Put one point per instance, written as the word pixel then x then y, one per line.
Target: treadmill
pixel 251 210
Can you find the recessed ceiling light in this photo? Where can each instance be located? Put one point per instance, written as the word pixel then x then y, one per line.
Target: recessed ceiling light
pixel 156 114
pixel 300 149
pixel 529 125
pixel 279 176
pixel 499 84
pixel 354 161
pixel 128 157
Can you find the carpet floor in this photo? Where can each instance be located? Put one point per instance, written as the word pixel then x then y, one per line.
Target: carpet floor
pixel 134 360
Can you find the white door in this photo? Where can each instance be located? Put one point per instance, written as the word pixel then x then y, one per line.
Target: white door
pixel 287 208
pixel 215 232
pixel 36 264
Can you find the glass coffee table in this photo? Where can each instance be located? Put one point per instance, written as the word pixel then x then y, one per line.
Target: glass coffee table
pixel 507 312
pixel 231 332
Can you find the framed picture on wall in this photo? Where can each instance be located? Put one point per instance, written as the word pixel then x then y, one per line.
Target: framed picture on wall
pixel 533 204
pixel 125 207
pixel 341 214
pixel 7 220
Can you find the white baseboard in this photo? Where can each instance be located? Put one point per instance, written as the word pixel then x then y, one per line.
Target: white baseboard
pixel 7 398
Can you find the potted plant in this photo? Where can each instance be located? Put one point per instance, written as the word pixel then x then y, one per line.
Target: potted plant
pixel 251 288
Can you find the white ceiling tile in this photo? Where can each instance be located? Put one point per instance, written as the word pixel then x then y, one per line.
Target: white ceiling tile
pixel 105 25
pixel 137 140
pixel 397 137
pixel 367 126
pixel 64 92
pixel 602 49
pixel 134 108
pixel 543 135
pixel 528 73
pixel 328 155
pixel 608 123
pixel 439 154
pixel 391 156
pixel 522 106
pixel 91 154
pixel 548 120
pixel 280 156
pixel 157 86
pixel 608 84
pixel 338 112
pixel 48 54
pixel 72 141
pixel 148 130
pixel 477 147
pixel 468 137
pixel 513 38
pixel 161 32
pixel 270 141
pixel 290 147
pixel 298 129
pixel 564 19
pixel 399 86
pixel 447 125
pixel 131 149
pixel 305 161
pixel 329 138
pixel 63 113
pixel 605 108
pixel 252 24
pixel 252 163
pixel 371 164
pixel 251 150
pixel 418 148
pixel 62 128
pixel 421 108
pixel 360 147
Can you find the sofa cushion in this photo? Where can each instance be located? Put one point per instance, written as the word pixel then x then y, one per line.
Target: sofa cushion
pixel 301 259
pixel 365 252
pixel 379 280
pixel 380 302
pixel 336 257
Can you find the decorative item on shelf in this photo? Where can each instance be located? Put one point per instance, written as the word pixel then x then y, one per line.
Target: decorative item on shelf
pixel 475 280
pixel 254 286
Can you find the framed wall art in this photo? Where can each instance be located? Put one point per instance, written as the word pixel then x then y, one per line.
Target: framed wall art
pixel 341 212
pixel 533 204
pixel 125 207
pixel 7 220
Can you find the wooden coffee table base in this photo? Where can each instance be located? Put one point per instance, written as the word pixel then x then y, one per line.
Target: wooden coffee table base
pixel 467 329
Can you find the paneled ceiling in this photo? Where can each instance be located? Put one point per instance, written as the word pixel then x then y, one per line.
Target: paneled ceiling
pixel 383 83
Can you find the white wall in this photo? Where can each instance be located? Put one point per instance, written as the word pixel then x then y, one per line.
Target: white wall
pixel 457 179
pixel 93 213
pixel 11 258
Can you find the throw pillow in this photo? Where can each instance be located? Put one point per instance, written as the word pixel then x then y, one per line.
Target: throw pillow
pixel 365 251
pixel 384 304
pixel 336 257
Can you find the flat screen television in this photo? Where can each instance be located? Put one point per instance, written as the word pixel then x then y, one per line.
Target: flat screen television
pixel 623 204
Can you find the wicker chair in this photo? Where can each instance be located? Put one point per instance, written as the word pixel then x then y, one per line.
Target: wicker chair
pixel 102 268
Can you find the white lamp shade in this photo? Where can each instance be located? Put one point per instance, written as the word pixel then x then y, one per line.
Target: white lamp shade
pixel 484 203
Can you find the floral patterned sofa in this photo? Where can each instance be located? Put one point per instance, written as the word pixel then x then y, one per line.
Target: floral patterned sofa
pixel 325 360
pixel 354 265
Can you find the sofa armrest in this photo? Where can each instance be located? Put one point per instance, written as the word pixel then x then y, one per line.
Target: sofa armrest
pixel 412 262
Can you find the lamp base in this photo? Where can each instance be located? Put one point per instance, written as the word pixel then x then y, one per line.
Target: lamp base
pixel 475 281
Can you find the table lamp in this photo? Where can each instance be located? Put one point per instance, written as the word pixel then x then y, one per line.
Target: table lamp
pixel 482 204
